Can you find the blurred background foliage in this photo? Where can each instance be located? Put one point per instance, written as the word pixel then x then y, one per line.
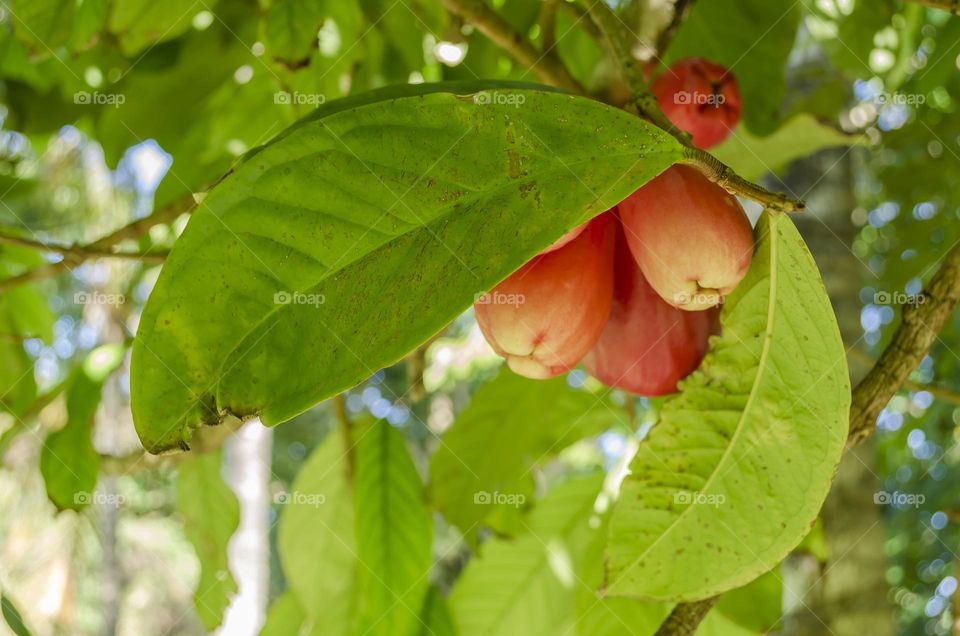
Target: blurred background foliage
pixel 110 109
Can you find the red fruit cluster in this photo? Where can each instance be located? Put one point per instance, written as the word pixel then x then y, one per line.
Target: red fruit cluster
pixel 632 294
pixel 701 98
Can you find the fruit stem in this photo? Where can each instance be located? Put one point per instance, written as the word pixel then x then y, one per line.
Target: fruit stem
pixel 724 176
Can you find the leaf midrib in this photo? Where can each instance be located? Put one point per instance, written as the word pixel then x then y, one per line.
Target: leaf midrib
pixel 774 233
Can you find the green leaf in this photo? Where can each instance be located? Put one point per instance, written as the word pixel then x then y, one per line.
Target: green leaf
pixel 756 606
pixel 435 615
pixel 379 218
pixel 285 617
pixel 211 514
pixel 730 479
pixel 141 23
pixel 511 425
pixel 12 616
pixel 316 541
pixel 46 25
pixel 394 533
pixel 291 27
pixel 752 38
pixel 69 462
pixel 528 585
pixel 752 156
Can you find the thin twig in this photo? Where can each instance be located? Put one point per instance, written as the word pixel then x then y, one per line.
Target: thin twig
pixel 681 8
pixel 724 176
pixel 686 617
pixel 548 24
pixel 922 322
pixel 950 6
pixel 78 253
pixel 547 66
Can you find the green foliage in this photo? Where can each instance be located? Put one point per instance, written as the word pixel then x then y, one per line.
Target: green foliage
pixel 394 533
pixel 752 38
pixel 742 459
pixel 511 426
pixel 376 242
pixel 286 616
pixel 211 514
pixel 528 585
pixel 12 616
pixel 317 527
pixel 68 462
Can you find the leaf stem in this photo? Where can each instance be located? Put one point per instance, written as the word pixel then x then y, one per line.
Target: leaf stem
pixel 724 176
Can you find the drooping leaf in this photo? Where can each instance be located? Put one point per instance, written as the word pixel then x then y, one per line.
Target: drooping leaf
pixel 394 533
pixel 510 426
pixel 316 541
pixel 752 38
pixel 12 616
pixel 68 461
pixel 528 585
pixel 801 136
pixel 211 514
pixel 734 473
pixel 362 231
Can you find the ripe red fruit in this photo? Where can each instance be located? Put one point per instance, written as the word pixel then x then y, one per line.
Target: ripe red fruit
pixel 548 314
pixel 701 98
pixel 647 346
pixel 690 237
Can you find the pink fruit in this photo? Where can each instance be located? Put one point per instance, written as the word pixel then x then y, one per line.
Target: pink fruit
pixel 548 314
pixel 690 237
pixel 566 238
pixel 647 346
pixel 701 98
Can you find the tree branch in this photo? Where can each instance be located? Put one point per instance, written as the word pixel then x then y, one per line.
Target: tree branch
pixel 77 253
pixel 921 324
pixel 643 103
pixel 547 66
pixel 686 617
pixel 680 10
pixel 950 6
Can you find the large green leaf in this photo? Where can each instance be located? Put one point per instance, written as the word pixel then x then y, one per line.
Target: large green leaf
pixel 68 461
pixel 510 426
pixel 316 541
pixel 211 514
pixel 394 533
pixel 12 617
pixel 362 231
pixel 730 479
pixel 528 585
pixel 285 616
pixel 753 38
